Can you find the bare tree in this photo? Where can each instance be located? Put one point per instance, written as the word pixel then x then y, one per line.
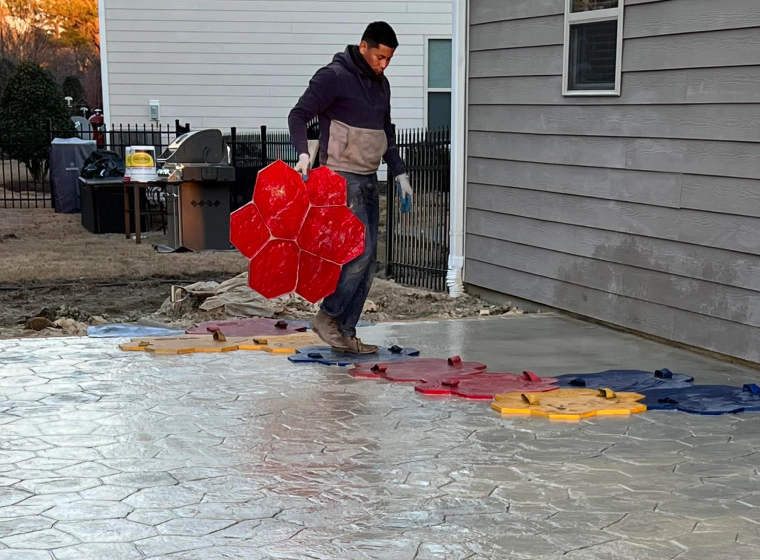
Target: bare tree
pixel 61 35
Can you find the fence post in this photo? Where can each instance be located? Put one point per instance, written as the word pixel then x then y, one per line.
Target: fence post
pixel 264 154
pixel 390 199
pixel 51 183
pixel 233 141
pixel 179 130
pixel 389 226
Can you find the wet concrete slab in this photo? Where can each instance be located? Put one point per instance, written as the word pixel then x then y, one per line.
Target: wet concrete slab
pixel 108 454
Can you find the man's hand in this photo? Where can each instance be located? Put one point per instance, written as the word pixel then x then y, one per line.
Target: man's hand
pixel 404 185
pixel 405 192
pixel 303 166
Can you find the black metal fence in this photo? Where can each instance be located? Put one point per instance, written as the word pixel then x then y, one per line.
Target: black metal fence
pixel 118 138
pixel 260 147
pixel 417 247
pixel 23 167
pixel 252 151
pixel 417 243
pixel 24 157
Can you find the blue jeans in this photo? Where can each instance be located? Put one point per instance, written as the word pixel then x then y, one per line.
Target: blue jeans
pixel 347 302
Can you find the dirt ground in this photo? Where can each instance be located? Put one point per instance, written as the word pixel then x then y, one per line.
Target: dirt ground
pixel 53 267
pixel 39 246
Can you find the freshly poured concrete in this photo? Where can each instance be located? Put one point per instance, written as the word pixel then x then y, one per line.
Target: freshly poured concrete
pixel 107 455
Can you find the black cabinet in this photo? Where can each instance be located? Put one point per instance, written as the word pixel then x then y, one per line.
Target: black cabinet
pixel 103 206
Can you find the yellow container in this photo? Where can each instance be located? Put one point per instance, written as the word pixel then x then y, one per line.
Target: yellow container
pixel 140 163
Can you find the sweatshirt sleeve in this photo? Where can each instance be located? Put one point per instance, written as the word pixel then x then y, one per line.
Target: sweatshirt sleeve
pixel 322 90
pixel 391 156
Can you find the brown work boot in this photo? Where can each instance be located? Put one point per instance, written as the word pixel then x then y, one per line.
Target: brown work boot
pixel 355 345
pixel 327 328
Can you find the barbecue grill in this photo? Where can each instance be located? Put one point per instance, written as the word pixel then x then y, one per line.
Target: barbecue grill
pixel 200 155
pixel 198 174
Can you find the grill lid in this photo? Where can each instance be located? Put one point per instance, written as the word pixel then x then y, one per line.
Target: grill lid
pixel 197 147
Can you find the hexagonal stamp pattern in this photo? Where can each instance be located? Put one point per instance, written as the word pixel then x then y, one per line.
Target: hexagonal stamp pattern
pixel 326 188
pixel 318 278
pixel 248 230
pixel 250 327
pixel 286 344
pixel 281 198
pixel 274 271
pixel 296 235
pixel 186 344
pixel 328 233
pixel 422 370
pixel 486 386
pixel 570 404
pixel 248 456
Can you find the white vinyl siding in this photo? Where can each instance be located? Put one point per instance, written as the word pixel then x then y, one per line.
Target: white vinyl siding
pixel 244 63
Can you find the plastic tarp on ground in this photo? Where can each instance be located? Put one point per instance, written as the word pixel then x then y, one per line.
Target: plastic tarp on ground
pixel 130 331
pixel 238 299
pixel 67 156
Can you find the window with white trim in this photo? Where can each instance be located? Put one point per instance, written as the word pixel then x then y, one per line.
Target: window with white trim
pixel 593 53
pixel 438 86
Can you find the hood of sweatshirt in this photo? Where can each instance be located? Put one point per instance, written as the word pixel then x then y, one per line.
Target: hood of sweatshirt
pixel 353 61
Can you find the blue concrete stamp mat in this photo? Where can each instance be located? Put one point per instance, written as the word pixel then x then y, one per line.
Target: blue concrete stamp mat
pixel 705 399
pixel 326 356
pixel 625 380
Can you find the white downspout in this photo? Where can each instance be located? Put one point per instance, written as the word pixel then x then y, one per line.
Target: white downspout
pixel 104 64
pixel 454 278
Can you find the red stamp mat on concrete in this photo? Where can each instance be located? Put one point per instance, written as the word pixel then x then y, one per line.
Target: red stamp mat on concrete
pixel 250 327
pixel 488 385
pixel 297 235
pixel 419 370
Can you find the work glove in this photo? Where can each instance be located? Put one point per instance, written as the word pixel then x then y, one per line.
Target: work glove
pixel 304 160
pixel 405 192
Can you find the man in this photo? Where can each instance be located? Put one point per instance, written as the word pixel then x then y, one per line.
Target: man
pixel 352 99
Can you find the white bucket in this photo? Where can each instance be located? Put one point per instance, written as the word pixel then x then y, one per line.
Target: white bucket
pixel 140 164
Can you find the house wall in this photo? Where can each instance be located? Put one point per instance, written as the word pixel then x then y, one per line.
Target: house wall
pixel 244 63
pixel 643 210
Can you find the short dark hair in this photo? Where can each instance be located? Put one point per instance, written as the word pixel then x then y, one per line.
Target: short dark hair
pixel 380 33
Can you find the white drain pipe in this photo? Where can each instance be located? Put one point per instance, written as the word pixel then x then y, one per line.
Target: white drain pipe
pixel 104 77
pixel 454 278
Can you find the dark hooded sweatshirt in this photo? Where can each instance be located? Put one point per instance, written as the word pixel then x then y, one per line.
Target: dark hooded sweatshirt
pixel 354 108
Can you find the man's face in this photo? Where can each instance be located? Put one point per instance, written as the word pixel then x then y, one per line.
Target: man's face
pixel 378 57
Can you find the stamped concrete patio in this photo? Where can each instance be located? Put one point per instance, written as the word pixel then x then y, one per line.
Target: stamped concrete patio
pixel 111 455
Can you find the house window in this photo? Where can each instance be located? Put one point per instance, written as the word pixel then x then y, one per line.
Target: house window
pixel 438 86
pixel 593 47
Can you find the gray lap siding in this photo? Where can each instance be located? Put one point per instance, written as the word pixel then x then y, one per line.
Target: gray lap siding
pixel 641 210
